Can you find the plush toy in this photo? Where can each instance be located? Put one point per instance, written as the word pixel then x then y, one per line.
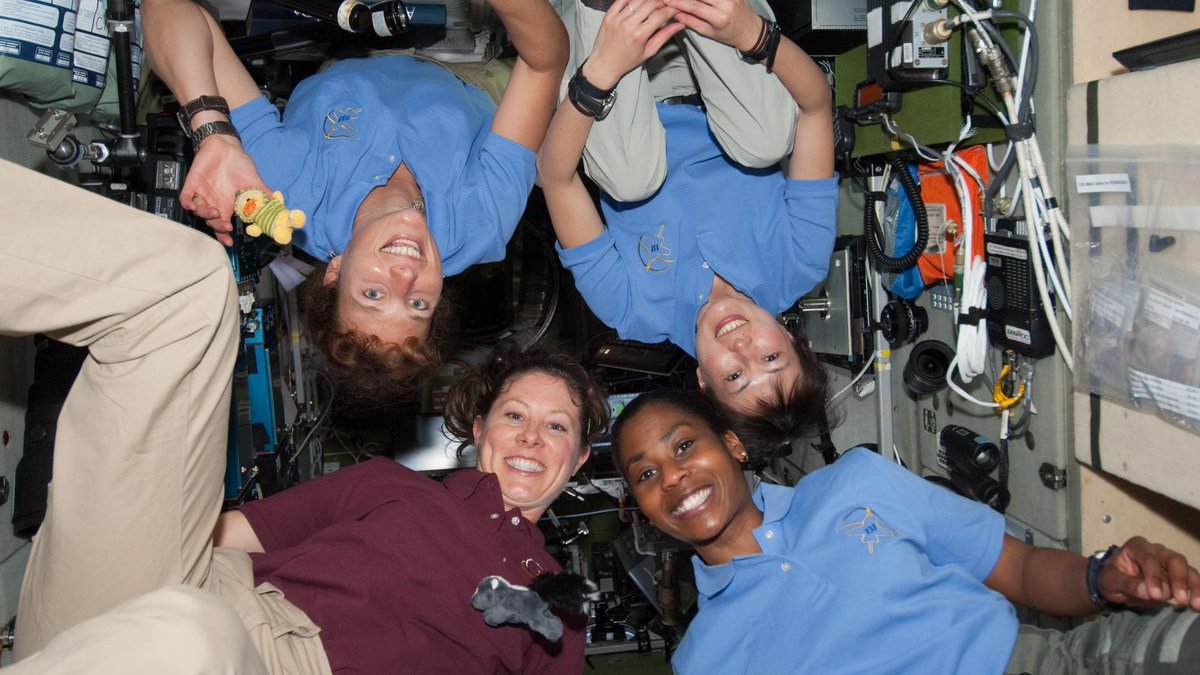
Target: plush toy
pixel 267 214
pixel 503 603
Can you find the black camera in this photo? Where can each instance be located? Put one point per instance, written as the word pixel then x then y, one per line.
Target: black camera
pixel 971 459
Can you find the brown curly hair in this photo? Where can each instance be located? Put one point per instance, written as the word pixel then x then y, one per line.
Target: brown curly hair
pixel 364 363
pixel 473 395
pixel 786 413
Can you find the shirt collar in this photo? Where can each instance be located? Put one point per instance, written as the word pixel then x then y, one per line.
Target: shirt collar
pixel 481 493
pixel 774 501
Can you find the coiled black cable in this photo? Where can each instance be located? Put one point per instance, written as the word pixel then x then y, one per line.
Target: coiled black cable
pixel 882 260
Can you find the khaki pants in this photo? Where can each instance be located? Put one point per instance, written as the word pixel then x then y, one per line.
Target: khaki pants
pixel 1161 642
pixel 751 114
pixel 140 449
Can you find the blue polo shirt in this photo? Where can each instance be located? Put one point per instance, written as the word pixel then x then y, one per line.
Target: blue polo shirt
pixel 866 568
pixel 348 128
pixel 652 269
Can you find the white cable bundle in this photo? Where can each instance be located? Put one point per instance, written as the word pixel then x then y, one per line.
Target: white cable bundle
pixel 1037 201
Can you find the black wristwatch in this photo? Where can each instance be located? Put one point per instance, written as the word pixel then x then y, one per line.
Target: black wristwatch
pixel 588 98
pixel 1095 565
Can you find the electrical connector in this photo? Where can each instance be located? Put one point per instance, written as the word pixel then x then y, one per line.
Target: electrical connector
pixel 938 31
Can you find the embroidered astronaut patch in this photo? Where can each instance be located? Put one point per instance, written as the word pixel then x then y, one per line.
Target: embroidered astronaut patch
pixel 654 252
pixel 341 123
pixel 865 525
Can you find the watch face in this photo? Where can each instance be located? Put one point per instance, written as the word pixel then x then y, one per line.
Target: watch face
pixel 606 106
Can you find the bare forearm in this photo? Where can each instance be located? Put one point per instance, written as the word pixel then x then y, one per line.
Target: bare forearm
pixel 812 157
pixel 572 212
pixel 537 33
pixel 179 46
pixel 1055 583
pixel 188 51
pixel 803 79
pixel 559 157
pixel 1045 579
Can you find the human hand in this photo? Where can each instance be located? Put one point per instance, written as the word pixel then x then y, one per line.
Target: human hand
pixel 1142 574
pixel 731 22
pixel 631 32
pixel 221 168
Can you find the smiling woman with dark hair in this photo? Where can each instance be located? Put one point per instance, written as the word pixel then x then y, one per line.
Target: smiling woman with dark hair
pixel 710 254
pixel 864 567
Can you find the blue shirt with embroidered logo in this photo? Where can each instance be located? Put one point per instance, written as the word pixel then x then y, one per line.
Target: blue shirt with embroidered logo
pixel 348 128
pixel 649 273
pixel 865 568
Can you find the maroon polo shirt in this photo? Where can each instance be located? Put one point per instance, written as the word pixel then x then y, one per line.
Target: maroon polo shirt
pixel 385 560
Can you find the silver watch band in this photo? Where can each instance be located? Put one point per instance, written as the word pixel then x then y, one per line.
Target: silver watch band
pixel 210 129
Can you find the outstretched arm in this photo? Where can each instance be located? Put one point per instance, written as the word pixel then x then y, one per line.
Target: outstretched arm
pixel 541 41
pixel 1048 580
pixel 734 22
pixel 189 52
pixel 626 39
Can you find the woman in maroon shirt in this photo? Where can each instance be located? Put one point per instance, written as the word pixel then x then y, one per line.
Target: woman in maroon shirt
pixel 385 560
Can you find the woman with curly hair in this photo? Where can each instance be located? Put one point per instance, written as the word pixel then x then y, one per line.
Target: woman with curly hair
pixel 407 173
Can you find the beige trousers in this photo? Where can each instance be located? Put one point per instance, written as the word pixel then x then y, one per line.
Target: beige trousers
pixel 140 449
pixel 751 114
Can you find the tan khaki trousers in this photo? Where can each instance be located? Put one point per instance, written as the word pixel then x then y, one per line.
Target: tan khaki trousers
pixel 140 448
pixel 751 114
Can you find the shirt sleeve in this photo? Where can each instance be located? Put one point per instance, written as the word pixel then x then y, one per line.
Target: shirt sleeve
pixel 492 204
pixel 603 281
pixel 958 531
pixel 812 213
pixel 266 141
pixel 289 517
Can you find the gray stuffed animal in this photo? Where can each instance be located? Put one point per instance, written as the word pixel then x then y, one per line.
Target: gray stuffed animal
pixel 503 603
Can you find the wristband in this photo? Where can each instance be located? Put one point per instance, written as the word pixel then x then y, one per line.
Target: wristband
pixel 589 99
pixel 1095 565
pixel 199 105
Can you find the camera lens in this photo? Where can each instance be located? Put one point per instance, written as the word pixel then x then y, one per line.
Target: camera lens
pixel 902 322
pixel 927 367
pixel 968 452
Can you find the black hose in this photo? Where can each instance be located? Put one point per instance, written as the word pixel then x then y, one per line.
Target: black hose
pixel 883 261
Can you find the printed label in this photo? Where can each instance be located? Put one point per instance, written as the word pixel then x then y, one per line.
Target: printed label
pixel 935 213
pixel 1168 395
pixel 1102 182
pixel 1166 308
pixel 1017 334
pixel 1010 251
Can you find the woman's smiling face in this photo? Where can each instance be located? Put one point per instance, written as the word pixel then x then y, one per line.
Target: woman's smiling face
pixel 686 477
pixel 531 440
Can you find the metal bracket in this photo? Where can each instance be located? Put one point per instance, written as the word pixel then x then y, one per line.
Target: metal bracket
pixel 51 129
pixel 1052 476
